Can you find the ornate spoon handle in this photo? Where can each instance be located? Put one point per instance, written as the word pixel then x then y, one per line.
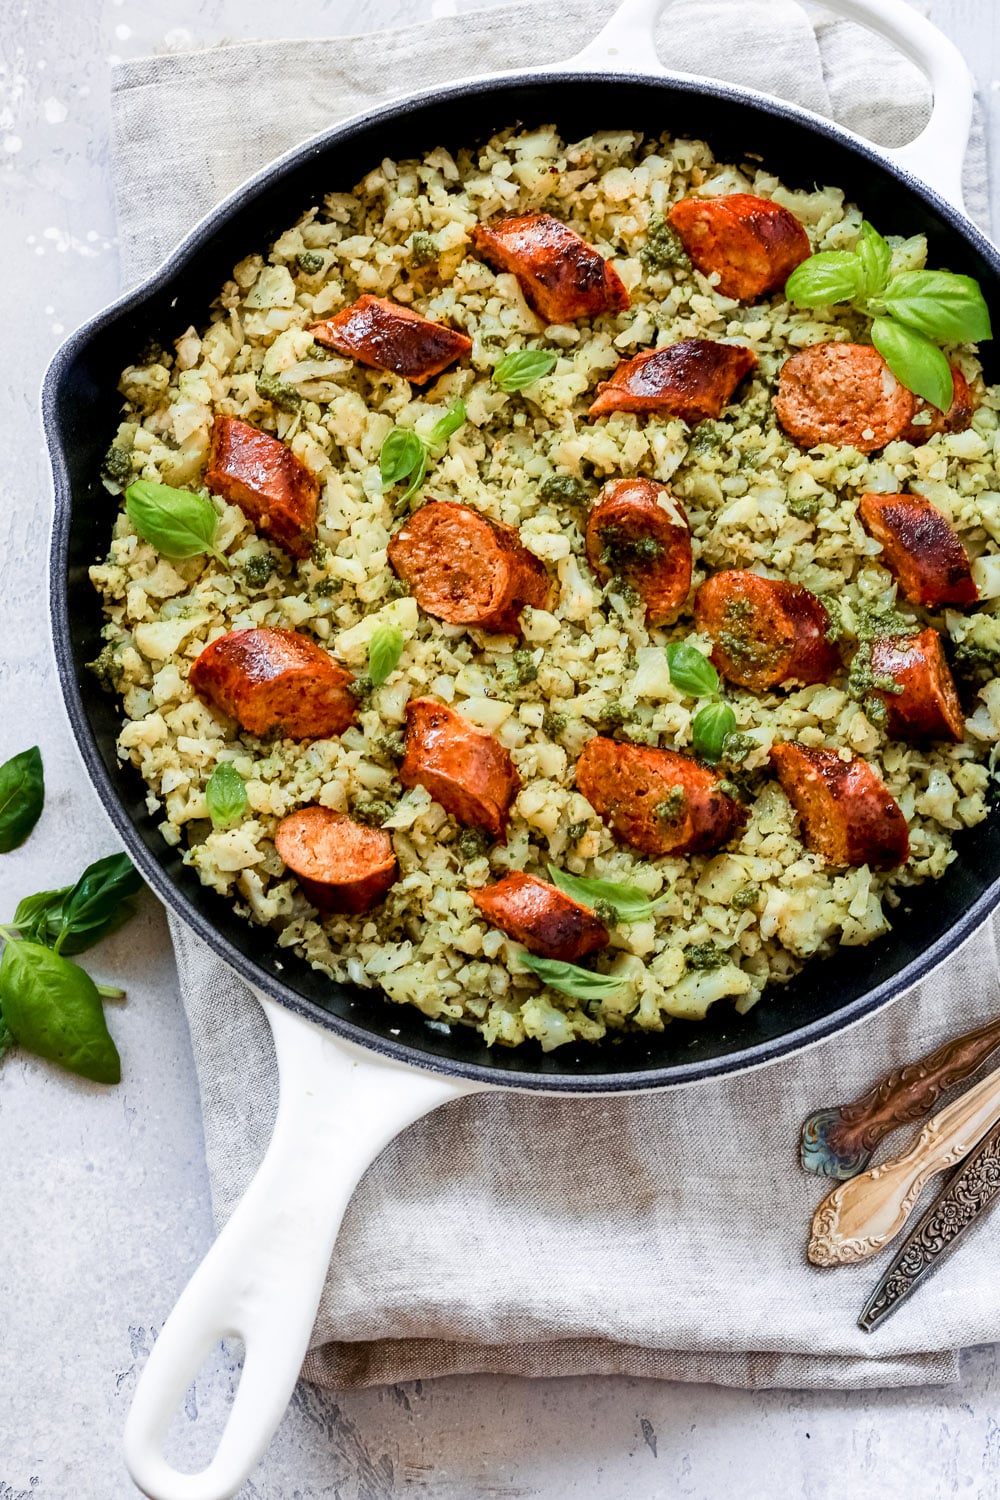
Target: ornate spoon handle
pixel 862 1215
pixel 839 1142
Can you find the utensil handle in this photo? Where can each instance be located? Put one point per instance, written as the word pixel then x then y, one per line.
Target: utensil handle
pixel 628 41
pixel 862 1215
pixel 261 1280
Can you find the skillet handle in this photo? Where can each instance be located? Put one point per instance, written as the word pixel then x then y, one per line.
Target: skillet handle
pixel 628 43
pixel 261 1280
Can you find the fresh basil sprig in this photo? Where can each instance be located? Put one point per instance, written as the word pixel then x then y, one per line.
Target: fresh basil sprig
pixel 522 367
pixel 22 797
pixel 178 523
pixel 571 979
pixel 53 1008
pixel 913 311
pixel 693 673
pixel 404 453
pixel 710 729
pixel 628 902
pixel 225 795
pixel 384 650
pixel 73 919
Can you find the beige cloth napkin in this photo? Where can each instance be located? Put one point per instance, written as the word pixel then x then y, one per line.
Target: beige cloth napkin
pixel 661 1234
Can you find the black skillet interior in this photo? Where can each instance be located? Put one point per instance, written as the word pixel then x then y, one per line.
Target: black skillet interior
pixel 81 411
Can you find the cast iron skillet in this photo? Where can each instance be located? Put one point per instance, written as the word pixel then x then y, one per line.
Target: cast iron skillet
pixel 81 410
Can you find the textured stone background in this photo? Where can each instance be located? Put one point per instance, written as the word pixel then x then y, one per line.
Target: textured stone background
pixel 103 1198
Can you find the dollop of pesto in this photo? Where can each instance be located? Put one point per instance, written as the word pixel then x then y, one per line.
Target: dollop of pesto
pixel 663 249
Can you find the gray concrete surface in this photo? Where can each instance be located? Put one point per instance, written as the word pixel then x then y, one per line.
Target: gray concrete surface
pixel 103 1194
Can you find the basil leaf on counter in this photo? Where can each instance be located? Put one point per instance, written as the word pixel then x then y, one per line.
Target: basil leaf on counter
pixel 39 917
pixel 710 728
pixel 915 361
pixel 226 795
pixel 939 305
pixel 22 797
pixel 629 903
pixel 570 979
pixel 384 650
pixel 177 523
pixel 52 1008
pixel 523 367
pixel 691 671
pixel 829 276
pixel 96 904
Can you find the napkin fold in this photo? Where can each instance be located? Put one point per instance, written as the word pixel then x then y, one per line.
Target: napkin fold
pixel 660 1234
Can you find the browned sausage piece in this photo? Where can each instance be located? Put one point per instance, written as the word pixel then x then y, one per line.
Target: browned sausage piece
pixel 765 631
pixel 637 530
pixel 657 800
pixel 562 277
pixel 273 489
pixel 925 705
pixel 270 678
pixel 544 919
pixel 386 336
pixel 693 379
pixel 466 569
pixel 464 768
pixel 847 812
pixel 844 394
pixel 754 244
pixel 341 865
pixel 956 419
pixel 921 547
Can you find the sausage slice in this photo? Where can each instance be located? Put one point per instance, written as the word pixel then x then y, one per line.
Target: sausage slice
pixel 754 244
pixel 638 531
pixel 692 379
pixel 925 705
pixel 464 768
pixel 844 394
pixel 540 916
pixel 267 678
pixel 562 277
pixel 657 800
pixel 466 569
pixel 957 418
pixel 263 477
pixel 765 631
pixel 384 335
pixel 921 547
pixel 340 865
pixel 847 812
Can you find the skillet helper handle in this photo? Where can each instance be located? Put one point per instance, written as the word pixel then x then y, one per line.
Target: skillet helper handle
pixel 628 43
pixel 261 1281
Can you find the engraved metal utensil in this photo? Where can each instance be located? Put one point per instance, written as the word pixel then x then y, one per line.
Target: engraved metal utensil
pixel 971 1191
pixel 861 1216
pixel 839 1142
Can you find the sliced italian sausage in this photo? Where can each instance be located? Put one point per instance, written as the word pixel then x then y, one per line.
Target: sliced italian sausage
pixel 847 813
pixel 638 531
pixel 752 243
pixel 466 569
pixel 465 769
pixel 540 916
pixel 386 336
pixel 562 277
pixel 263 477
pixel 921 547
pixel 956 419
pixel 657 800
pixel 844 394
pixel 765 631
pixel 340 865
pixel 925 704
pixel 692 379
pixel 266 679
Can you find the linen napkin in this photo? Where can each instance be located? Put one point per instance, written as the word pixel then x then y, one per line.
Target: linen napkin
pixel 661 1234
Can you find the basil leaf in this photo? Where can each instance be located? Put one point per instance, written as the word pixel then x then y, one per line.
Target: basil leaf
pixel 875 257
pixel 447 426
pixel 226 795
pixel 523 367
pixel 418 475
pixel 710 728
pixel 384 650
pixel 39 918
pixel 22 796
pixel 178 523
pixel 629 903
pixel 570 979
pixel 94 905
pixel 399 455
pixel 915 361
pixel 6 1040
pixel 939 304
pixel 52 1008
pixel 692 672
pixel 829 276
